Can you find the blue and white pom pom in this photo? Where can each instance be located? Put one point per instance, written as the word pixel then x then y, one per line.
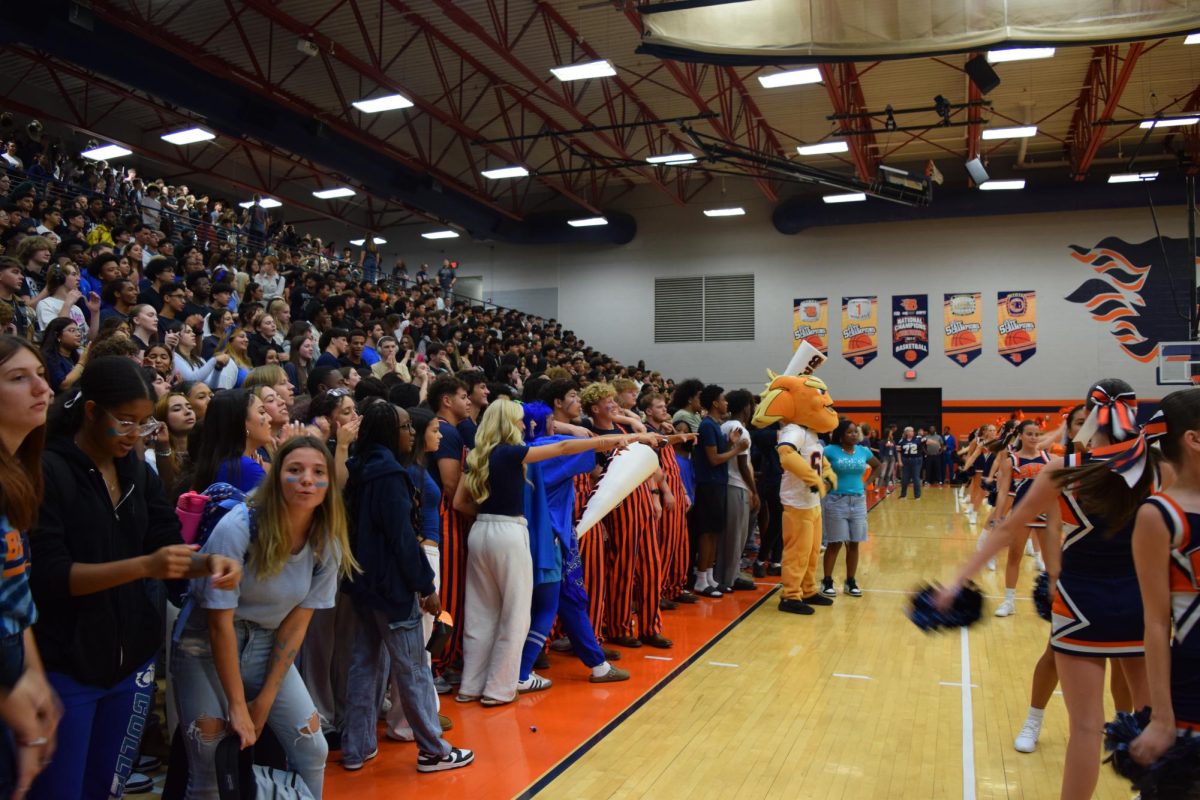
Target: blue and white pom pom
pixel 1174 776
pixel 1042 599
pixel 965 611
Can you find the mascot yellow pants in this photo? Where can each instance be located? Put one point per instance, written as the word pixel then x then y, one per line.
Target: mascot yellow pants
pixel 801 551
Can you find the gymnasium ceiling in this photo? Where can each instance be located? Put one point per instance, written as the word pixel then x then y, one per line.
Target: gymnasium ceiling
pixel 478 72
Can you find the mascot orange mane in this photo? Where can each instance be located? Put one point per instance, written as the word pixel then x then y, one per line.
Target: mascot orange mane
pixel 800 402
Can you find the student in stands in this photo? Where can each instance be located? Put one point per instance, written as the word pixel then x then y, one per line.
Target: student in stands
pixel 29 710
pixel 233 665
pixel 235 426
pixel 103 532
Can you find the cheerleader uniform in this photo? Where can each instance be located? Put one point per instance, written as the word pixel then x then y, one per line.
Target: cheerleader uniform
pixel 1185 609
pixel 1024 471
pixel 1097 607
pixel 989 486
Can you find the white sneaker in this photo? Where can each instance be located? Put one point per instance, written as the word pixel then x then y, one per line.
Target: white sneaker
pixel 1041 565
pixel 1006 609
pixel 971 518
pixel 992 564
pixel 535 683
pixel 1029 551
pixel 1027 739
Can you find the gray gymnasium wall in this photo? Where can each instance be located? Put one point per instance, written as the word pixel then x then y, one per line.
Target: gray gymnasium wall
pixel 607 295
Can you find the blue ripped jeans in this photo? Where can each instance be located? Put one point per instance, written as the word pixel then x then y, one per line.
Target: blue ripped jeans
pixel 203 709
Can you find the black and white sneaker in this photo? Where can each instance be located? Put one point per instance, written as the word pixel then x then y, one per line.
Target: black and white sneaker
pixel 851 588
pixel 138 783
pixel 827 587
pixel 457 757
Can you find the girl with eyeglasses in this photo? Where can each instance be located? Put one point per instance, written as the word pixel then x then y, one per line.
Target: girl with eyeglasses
pixel 60 351
pixel 104 529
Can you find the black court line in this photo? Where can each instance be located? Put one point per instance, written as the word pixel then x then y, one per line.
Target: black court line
pixel 562 766
pixel 579 752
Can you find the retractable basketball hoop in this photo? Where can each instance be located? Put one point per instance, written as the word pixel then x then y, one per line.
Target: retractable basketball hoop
pixel 1179 363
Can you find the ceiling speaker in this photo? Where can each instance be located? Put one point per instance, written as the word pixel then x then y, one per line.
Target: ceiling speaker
pixel 981 74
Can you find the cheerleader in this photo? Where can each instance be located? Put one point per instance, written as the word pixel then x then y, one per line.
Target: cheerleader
pixel 973 464
pixel 1167 559
pixel 1097 610
pixel 1014 477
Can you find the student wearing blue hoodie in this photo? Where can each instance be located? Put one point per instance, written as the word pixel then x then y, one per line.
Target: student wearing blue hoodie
pixel 396 586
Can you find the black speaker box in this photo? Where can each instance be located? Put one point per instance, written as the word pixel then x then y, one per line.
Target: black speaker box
pixel 981 74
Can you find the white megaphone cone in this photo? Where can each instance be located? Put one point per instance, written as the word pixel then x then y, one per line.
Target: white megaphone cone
pixel 805 360
pixel 627 470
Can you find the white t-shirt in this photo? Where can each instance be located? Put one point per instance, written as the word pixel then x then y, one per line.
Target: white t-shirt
pixel 735 474
pixel 48 308
pixel 793 491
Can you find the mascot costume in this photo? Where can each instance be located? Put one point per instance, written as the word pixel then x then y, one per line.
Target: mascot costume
pixel 800 402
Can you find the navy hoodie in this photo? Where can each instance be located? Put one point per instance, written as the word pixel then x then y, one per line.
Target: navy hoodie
pixel 383 538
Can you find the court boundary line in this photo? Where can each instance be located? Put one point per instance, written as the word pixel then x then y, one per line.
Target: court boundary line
pixel 968 719
pixel 569 760
pixel 584 747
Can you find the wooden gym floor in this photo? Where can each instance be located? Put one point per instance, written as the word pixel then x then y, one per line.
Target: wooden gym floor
pixel 851 702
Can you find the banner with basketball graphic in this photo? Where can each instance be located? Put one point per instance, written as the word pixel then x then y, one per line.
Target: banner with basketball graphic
pixel 910 328
pixel 810 322
pixel 1017 316
pixel 860 330
pixel 962 317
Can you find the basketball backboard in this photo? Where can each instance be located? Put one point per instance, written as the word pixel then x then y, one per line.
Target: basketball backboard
pixel 1179 363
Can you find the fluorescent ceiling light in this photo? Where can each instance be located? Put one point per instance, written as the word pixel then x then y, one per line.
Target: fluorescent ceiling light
pixel 581 72
pixel 505 172
pixel 189 136
pixel 793 77
pixel 851 197
pixel 822 148
pixel 1011 133
pixel 330 194
pixel 266 202
pixel 1019 54
pixel 361 242
pixel 440 235
pixel 587 222
pixel 105 152
pixel 724 212
pixel 672 158
pixel 1132 177
pixel 1192 38
pixel 992 186
pixel 1167 122
pixel 386 103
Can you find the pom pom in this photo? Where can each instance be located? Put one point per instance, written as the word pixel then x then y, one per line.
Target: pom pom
pixel 1041 596
pixel 1175 775
pixel 965 611
pixel 536 419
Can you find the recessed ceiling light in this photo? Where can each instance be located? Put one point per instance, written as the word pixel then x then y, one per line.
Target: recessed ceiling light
pixel 105 152
pixel 850 197
pixel 1169 122
pixel 822 148
pixel 505 172
pixel 1192 38
pixel 724 212
pixel 189 136
pixel 1023 132
pixel 1019 54
pixel 994 186
pixel 1132 177
pixel 793 77
pixel 266 202
pixel 330 194
pixel 388 102
pixel 440 235
pixel 587 222
pixel 580 72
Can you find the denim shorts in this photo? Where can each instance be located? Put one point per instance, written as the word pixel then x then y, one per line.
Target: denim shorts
pixel 844 518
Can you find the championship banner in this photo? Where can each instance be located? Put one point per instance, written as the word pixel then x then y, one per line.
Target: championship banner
pixel 963 319
pixel 860 330
pixel 1017 315
pixel 810 322
pixel 910 328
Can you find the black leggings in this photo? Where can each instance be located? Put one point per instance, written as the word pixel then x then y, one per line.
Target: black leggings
pixel 770 547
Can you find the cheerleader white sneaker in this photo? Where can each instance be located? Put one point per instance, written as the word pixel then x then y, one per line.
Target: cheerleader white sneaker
pixel 1029 551
pixel 1027 739
pixel 1006 609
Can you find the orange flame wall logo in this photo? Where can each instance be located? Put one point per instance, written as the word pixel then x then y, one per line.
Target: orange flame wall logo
pixel 1131 292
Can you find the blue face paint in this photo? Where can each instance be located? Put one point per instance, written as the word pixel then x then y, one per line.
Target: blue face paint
pixel 321 484
pixel 291 479
pixel 114 433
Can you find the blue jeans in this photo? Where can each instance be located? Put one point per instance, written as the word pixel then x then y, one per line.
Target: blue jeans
pixel 404 643
pixel 910 472
pixel 98 736
pixel 201 701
